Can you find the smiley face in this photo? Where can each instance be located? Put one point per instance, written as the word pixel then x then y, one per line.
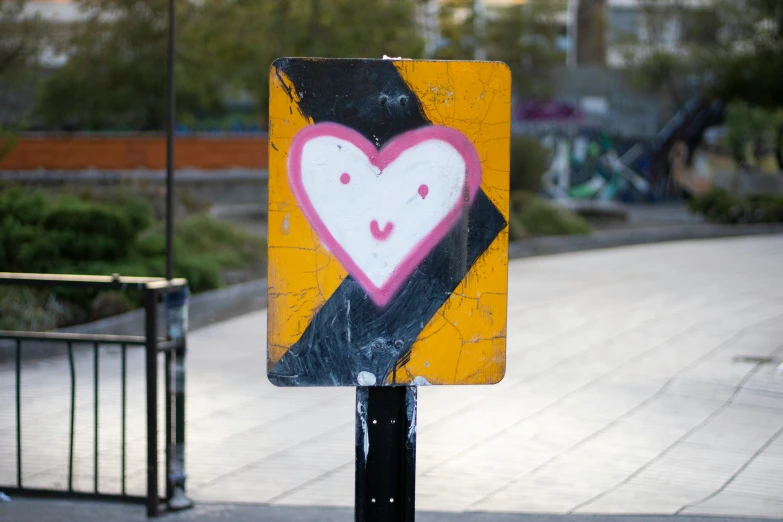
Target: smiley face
pixel 382 234
pixel 381 212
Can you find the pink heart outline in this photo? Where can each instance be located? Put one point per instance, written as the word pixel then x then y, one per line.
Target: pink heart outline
pixel 381 159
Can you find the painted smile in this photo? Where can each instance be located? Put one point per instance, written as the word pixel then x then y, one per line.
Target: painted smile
pixel 377 233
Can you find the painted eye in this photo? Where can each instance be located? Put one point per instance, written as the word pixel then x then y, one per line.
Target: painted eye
pixel 423 191
pixel 345 178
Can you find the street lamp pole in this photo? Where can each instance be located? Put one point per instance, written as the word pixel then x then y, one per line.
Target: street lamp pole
pixel 479 30
pixel 170 122
pixel 176 308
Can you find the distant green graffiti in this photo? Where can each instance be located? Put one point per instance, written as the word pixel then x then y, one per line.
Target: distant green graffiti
pixel 588 166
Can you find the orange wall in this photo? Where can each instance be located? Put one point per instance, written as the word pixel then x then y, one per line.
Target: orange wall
pixel 135 152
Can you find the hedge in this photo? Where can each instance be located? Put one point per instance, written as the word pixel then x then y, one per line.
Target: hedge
pixel 66 234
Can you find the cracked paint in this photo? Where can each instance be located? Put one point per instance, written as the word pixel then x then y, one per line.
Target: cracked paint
pixel 464 341
pixel 473 321
pixel 294 299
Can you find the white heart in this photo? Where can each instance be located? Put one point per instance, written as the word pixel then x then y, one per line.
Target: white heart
pixel 381 212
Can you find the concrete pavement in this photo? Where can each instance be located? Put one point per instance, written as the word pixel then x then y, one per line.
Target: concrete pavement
pixel 30 510
pixel 640 380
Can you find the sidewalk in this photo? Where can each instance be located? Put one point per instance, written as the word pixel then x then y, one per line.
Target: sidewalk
pixel 626 392
pixel 27 510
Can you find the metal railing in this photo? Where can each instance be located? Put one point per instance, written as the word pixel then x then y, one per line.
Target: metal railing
pixel 173 348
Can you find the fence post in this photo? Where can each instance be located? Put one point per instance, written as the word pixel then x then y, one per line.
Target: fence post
pixel 151 345
pixel 177 319
pixel 168 423
pixel 19 413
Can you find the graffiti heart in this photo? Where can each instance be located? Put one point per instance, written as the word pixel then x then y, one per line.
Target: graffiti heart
pixel 380 212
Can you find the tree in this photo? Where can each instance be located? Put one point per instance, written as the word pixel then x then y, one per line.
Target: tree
pixel 591 32
pixel 457 24
pixel 748 70
pixel 262 31
pixel 115 76
pixel 20 45
pixel 731 50
pixel 661 68
pixel 748 66
pixel 522 36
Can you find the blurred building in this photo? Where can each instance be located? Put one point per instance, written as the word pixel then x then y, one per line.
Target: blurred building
pixel 636 28
pixel 602 40
pixel 629 28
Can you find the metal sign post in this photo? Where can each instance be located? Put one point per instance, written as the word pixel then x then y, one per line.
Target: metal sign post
pixel 385 453
pixel 388 244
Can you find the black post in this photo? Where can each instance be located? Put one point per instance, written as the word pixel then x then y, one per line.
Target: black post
pixel 385 454
pixel 19 413
pixel 169 438
pixel 73 416
pixel 95 467
pixel 177 317
pixel 170 122
pixel 177 476
pixel 151 337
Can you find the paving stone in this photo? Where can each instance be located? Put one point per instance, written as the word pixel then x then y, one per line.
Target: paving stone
pixel 728 504
pixel 621 396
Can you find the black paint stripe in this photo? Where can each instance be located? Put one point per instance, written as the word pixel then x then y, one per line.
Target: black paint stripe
pixel 369 96
pixel 350 334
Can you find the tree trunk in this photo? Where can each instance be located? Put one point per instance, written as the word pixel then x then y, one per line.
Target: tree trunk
pixel 591 32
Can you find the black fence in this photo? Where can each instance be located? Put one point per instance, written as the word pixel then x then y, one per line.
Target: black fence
pixel 173 347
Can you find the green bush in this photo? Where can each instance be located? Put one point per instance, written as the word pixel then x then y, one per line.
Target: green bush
pixel 751 132
pixel 24 206
pixel 720 206
pixel 139 212
pixel 47 234
pixel 533 216
pixel 529 160
pixel 117 234
pixel 204 247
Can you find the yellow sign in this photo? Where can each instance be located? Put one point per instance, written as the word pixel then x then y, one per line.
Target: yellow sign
pixel 388 212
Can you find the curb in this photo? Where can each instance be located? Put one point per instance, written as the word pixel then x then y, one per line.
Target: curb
pixel 541 246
